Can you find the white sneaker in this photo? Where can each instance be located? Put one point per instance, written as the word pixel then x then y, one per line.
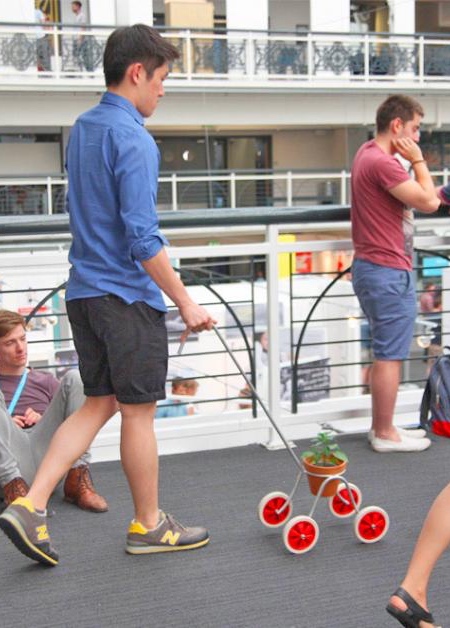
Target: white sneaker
pixel 414 433
pixel 384 446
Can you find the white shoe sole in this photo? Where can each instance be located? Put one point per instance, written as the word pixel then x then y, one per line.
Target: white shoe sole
pixel 383 446
pixel 414 433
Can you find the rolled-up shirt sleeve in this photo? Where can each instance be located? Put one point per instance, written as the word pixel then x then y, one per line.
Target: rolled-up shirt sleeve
pixel 137 169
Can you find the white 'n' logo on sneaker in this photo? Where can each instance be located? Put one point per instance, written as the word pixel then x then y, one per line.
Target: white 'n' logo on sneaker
pixel 170 537
pixel 42 534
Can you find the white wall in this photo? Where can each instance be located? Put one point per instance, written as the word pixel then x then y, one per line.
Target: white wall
pixel 103 12
pixel 133 11
pixel 286 15
pixel 261 111
pixel 16 11
pixel 330 16
pixel 402 17
pixel 29 159
pixel 247 15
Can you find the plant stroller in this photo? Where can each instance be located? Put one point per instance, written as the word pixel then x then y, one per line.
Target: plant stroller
pixel 324 465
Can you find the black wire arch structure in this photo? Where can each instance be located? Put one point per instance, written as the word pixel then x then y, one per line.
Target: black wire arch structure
pixel 196 280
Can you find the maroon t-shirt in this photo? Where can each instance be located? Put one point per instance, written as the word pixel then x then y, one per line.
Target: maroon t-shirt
pixel 37 393
pixel 382 227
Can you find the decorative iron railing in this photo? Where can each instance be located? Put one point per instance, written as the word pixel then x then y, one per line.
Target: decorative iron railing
pixel 67 52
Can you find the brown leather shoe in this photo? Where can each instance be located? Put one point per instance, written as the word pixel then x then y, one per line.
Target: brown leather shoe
pixel 79 490
pixel 14 489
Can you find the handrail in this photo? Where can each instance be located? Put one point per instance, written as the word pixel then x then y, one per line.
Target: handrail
pixel 192 279
pixel 284 188
pixel 279 59
pixel 59 224
pixel 41 227
pixel 345 394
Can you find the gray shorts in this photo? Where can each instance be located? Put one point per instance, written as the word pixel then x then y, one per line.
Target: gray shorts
pixel 388 299
pixel 122 349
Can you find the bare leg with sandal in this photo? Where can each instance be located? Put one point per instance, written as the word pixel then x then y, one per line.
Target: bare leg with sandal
pixel 409 603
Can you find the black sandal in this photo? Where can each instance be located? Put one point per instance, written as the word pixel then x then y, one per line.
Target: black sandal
pixel 413 614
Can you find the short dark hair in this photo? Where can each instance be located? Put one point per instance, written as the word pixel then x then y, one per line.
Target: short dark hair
pixel 77 2
pixel 135 44
pixel 398 106
pixel 9 321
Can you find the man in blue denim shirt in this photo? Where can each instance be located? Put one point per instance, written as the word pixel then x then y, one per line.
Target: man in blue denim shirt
pixel 114 300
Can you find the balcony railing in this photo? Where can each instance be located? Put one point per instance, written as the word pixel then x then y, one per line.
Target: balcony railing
pixel 316 308
pixel 46 195
pixel 237 58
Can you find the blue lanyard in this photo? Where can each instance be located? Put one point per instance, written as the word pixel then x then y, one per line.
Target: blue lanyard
pixel 16 397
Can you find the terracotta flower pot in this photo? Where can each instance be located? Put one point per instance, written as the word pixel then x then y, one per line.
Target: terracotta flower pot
pixel 315 482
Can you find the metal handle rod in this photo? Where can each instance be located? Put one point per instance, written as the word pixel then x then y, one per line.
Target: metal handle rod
pixel 261 403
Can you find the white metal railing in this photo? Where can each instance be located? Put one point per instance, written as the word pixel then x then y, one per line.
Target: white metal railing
pixel 219 423
pixel 46 195
pixel 239 58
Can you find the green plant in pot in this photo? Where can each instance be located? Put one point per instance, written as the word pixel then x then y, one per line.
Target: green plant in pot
pixel 322 459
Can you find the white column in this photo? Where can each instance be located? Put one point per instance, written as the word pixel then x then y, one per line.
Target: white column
pixel 102 12
pixel 402 21
pixel 134 11
pixel 402 17
pixel 329 16
pixel 247 15
pixel 17 11
pixel 273 328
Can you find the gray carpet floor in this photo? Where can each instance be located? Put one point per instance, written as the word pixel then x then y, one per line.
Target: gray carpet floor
pixel 244 578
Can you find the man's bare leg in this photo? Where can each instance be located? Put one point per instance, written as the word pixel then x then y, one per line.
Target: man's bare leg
pixel 385 380
pixel 139 455
pixel 433 540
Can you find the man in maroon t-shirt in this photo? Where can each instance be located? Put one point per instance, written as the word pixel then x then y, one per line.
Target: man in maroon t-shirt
pixel 33 405
pixel 382 231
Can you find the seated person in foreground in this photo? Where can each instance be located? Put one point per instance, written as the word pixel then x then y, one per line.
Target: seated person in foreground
pixel 173 406
pixel 32 406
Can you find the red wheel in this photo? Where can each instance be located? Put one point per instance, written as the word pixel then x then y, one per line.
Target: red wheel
pixel 371 524
pixel 340 504
pixel 300 534
pixel 275 509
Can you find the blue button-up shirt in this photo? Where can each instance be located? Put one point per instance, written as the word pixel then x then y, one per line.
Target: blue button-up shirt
pixel 113 165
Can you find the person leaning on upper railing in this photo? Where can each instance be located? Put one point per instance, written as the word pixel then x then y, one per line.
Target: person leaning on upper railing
pixel 43 45
pixel 82 45
pixel 382 276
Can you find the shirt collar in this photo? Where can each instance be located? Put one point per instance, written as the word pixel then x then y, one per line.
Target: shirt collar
pixel 109 98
